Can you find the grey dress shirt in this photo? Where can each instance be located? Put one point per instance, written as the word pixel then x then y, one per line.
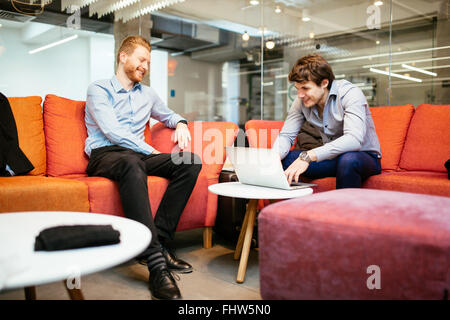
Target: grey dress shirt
pixel 346 125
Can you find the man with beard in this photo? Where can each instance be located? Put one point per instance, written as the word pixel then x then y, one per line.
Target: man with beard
pixel 338 109
pixel 117 111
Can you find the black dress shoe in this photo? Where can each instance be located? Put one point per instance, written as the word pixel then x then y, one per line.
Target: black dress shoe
pixel 175 264
pixel 162 284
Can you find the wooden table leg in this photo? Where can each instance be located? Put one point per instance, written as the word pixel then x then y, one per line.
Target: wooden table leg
pixel 237 252
pixel 251 211
pixel 30 293
pixel 74 294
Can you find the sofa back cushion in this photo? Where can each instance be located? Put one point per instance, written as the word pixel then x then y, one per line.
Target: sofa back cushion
pixel 391 124
pixel 65 134
pixel 262 133
pixel 209 140
pixel 427 145
pixel 30 129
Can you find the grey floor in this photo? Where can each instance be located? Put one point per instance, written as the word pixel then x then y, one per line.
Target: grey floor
pixel 214 276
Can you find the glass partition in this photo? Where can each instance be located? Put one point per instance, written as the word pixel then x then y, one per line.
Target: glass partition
pixel 229 60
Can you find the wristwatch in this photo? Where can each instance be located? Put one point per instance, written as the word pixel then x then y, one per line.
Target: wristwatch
pixel 305 157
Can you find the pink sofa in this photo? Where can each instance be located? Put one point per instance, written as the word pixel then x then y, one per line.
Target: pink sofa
pixel 356 244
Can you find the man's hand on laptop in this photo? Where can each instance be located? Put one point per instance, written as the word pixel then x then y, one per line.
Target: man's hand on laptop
pixel 182 135
pixel 298 167
pixel 295 170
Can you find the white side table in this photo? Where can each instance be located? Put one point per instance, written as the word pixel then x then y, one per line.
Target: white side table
pixel 253 193
pixel 22 267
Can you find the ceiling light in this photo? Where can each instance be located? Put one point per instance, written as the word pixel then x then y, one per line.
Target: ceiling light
pixel 53 44
pixel 305 15
pixel 419 70
pixel 277 9
pixel 0 25
pixel 395 75
pixel 387 54
pixel 377 42
pixel 245 36
pixel 254 2
pixel 405 62
pixel 311 35
pixel 378 3
pixel 270 45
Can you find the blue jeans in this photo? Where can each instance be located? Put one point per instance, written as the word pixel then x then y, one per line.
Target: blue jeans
pixel 350 168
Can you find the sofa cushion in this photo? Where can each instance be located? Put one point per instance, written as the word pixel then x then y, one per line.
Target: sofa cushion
pixel 391 124
pixel 30 128
pixel 434 183
pixel 333 241
pixel 65 134
pixel 27 193
pixel 209 140
pixel 104 198
pixel 427 145
pixel 262 133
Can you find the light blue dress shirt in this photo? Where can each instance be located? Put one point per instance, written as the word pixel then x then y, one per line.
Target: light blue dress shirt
pixel 115 116
pixel 346 125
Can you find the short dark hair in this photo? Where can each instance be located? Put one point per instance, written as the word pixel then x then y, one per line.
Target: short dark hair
pixel 312 67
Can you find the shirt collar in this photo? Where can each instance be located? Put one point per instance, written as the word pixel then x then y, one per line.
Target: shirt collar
pixel 333 89
pixel 118 87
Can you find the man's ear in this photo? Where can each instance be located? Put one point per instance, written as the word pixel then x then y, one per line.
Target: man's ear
pixel 123 57
pixel 324 83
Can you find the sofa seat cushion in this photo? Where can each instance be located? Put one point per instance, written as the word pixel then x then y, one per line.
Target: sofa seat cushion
pixel 30 129
pixel 427 145
pixel 324 184
pixel 104 197
pixel 327 246
pixel 434 183
pixel 38 193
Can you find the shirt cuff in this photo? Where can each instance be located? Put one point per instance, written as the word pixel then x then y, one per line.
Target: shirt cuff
pixel 183 121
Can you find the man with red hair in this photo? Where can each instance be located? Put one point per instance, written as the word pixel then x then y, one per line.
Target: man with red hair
pixel 117 112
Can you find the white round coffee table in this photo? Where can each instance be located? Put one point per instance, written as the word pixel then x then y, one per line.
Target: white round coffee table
pixel 253 193
pixel 22 267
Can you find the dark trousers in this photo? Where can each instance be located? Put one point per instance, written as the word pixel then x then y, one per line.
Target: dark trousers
pixel 349 168
pixel 130 169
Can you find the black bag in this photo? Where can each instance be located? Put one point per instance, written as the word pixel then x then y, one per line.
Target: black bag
pixel 230 213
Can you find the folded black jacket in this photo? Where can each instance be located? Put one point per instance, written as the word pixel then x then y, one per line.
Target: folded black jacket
pixel 76 236
pixel 10 153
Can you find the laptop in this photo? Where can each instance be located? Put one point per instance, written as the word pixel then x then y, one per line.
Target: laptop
pixel 261 167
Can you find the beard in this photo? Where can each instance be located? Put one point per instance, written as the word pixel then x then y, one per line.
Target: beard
pixel 133 73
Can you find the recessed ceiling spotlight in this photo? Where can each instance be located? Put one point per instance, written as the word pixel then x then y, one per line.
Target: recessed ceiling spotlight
pixel 270 45
pixel 254 2
pixel 378 3
pixel 377 42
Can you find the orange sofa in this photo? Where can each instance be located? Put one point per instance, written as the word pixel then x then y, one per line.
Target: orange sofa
pixel 415 144
pixel 52 137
